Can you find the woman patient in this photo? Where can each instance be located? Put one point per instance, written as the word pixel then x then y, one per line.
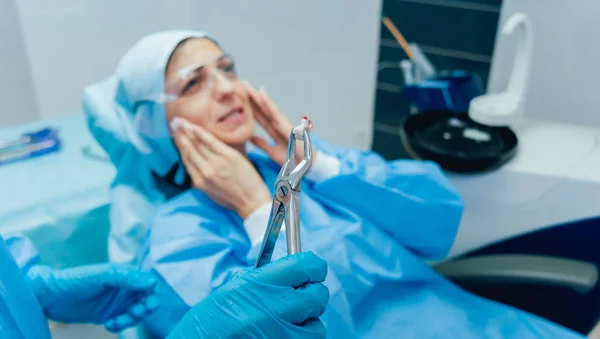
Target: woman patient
pixel 373 221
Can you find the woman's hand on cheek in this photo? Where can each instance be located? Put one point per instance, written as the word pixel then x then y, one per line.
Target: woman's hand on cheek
pixel 218 170
pixel 276 124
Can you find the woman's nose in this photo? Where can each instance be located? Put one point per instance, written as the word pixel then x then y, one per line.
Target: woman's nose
pixel 222 86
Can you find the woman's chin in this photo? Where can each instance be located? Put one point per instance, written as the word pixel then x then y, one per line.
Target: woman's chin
pixel 239 136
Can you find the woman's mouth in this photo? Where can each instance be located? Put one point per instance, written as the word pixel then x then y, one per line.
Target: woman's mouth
pixel 234 116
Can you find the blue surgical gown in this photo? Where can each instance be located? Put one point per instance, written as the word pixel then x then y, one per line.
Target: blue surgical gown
pixel 375 223
pixel 21 315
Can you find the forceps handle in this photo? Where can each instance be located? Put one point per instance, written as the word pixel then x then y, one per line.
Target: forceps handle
pixel 292 224
pixel 271 234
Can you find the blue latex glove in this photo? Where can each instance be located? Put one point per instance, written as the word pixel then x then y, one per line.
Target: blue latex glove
pixel 118 296
pixel 280 300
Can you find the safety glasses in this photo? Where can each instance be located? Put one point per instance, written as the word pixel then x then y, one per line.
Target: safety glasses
pixel 196 79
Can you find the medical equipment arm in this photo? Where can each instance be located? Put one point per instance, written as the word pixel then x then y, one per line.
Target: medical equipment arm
pixel 411 200
pixel 280 300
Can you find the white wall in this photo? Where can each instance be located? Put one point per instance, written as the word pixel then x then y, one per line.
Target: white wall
pixel 564 84
pixel 17 96
pixel 72 43
pixel 316 58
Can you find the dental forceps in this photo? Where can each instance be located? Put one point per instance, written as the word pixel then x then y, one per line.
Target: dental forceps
pixel 286 200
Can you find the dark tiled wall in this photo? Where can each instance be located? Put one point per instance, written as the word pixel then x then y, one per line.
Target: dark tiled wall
pixel 454 34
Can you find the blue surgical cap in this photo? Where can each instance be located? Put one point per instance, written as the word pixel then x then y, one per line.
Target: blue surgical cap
pixel 140 75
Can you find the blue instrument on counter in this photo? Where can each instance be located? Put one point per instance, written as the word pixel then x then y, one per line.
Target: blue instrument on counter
pixel 447 91
pixel 30 145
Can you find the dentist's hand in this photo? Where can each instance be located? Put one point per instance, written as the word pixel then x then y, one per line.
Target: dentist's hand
pixel 268 115
pixel 283 299
pixel 118 296
pixel 220 171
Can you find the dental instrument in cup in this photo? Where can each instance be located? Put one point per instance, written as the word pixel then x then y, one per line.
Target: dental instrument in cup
pixel 286 200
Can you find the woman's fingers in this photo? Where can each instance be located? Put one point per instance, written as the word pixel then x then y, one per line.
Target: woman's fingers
pixel 268 114
pixel 278 120
pixel 205 156
pixel 263 118
pixel 272 150
pixel 192 159
pixel 184 127
pixel 189 154
pixel 268 126
pixel 256 99
pixel 201 145
pixel 212 144
pixel 268 103
pixel 272 127
pixel 186 146
pixel 202 141
pixel 263 145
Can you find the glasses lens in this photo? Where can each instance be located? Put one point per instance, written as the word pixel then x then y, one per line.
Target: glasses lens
pixel 196 78
pixel 189 82
pixel 227 67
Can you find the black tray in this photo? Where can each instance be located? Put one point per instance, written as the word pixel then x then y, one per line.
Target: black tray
pixel 440 136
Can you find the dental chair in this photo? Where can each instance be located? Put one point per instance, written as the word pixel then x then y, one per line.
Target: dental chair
pixel 550 280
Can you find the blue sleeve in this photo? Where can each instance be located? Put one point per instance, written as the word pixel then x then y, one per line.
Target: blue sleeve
pixel 129 213
pixel 411 200
pixel 196 246
pixel 22 250
pixel 134 197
